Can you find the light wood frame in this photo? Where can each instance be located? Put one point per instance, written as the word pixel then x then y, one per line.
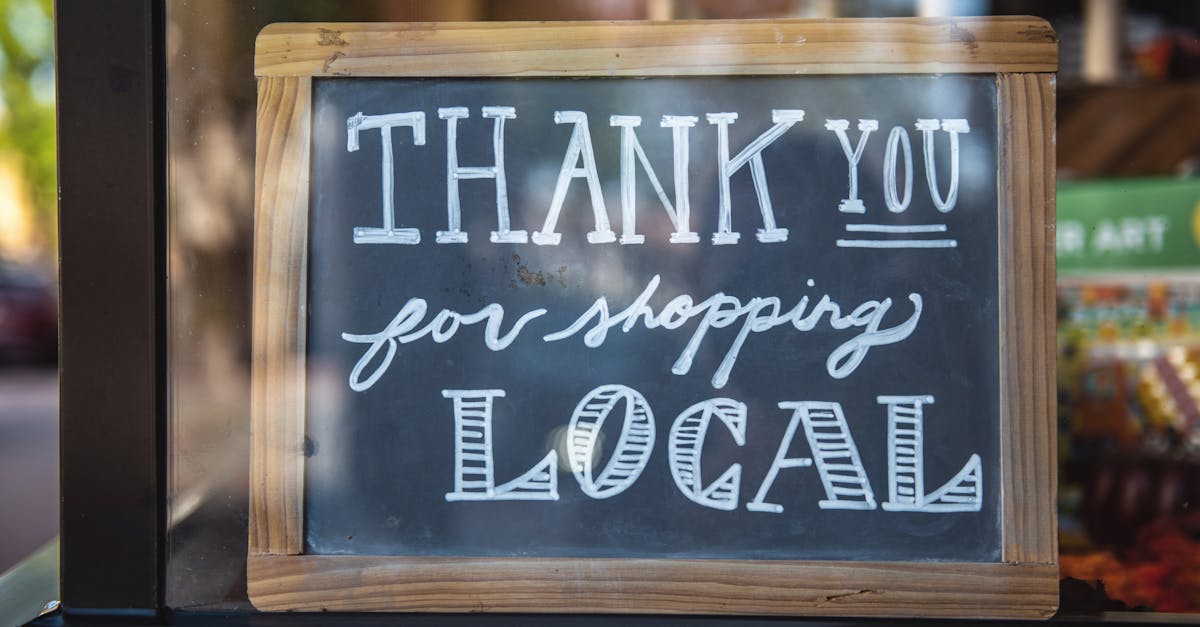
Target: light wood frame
pixel 1021 53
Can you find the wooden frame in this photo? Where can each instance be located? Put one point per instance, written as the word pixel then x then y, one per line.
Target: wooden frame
pixel 1021 52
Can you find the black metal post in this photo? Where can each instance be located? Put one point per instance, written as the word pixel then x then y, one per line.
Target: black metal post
pixel 111 139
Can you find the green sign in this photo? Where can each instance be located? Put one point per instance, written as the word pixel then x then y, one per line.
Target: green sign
pixel 1128 225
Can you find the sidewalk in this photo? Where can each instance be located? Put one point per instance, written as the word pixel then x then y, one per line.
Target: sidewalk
pixel 28 461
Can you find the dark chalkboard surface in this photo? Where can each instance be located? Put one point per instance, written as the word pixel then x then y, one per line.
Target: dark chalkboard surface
pixel 381 460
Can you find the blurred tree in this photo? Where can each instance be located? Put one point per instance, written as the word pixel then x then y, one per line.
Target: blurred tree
pixel 27 123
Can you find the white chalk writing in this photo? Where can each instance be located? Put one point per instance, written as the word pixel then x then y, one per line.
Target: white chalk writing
pixel 474 477
pixel 758 314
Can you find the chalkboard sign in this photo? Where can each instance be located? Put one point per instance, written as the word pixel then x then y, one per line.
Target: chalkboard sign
pixel 593 343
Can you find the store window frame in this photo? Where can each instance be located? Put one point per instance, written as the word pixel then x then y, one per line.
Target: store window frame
pixel 112 278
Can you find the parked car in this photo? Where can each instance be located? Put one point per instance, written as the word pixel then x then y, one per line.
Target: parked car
pixel 28 316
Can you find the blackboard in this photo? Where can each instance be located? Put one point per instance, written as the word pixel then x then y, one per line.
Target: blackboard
pixel 383 459
pixel 724 318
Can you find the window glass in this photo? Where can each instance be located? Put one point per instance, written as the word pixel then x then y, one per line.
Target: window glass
pixel 1128 298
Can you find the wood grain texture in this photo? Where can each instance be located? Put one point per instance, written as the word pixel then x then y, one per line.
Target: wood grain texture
pixel 281 173
pixel 839 46
pixel 337 583
pixel 1027 318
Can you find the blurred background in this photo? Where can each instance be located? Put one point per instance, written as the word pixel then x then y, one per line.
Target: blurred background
pixel 28 303
pixel 1129 260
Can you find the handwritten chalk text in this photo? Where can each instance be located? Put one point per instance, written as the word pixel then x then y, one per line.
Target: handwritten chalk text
pixel 757 315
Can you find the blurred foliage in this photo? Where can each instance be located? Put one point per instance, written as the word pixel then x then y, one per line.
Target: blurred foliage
pixel 27 120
